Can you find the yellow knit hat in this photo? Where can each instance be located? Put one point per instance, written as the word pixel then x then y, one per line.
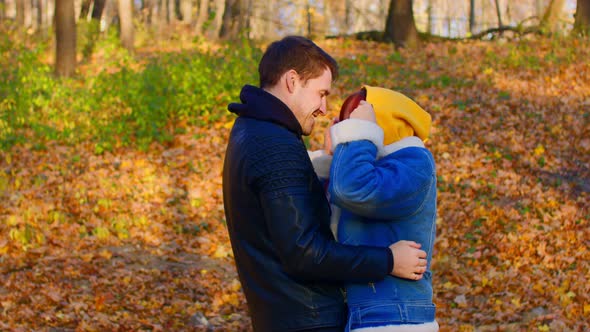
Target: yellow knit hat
pixel 398 115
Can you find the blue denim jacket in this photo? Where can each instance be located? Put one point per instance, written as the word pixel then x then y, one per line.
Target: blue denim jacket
pixel 383 194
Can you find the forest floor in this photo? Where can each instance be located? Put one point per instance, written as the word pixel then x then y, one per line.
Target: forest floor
pixel 135 241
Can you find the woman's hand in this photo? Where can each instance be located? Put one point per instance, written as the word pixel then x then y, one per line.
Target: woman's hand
pixel 364 111
pixel 328 137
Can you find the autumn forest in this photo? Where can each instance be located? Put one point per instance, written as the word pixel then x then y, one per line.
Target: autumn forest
pixel 114 124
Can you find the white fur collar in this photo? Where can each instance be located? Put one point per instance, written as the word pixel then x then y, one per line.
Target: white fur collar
pixel 355 129
pixel 405 142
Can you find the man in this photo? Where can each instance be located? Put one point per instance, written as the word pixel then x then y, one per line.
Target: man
pixel 278 218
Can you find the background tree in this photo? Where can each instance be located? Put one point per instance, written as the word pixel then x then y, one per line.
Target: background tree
pixel 218 19
pixel 202 16
pixel 85 8
pixel 471 16
pixel 20 13
pixel 234 19
pixel 93 29
pixel 550 20
pixel 2 10
pixel 98 9
pixel 65 38
pixel 400 27
pixel 498 13
pixel 582 23
pixel 186 11
pixel 126 23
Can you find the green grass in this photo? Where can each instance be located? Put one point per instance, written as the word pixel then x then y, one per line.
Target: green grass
pixel 119 105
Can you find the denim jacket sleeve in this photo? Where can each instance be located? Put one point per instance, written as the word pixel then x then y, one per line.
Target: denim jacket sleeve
pixel 297 215
pixel 376 186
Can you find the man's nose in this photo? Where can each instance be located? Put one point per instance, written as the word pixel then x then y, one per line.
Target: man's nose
pixel 324 108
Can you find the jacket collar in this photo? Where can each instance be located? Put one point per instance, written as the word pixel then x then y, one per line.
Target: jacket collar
pixel 261 105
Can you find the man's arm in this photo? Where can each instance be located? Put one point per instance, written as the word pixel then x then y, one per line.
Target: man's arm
pixel 296 214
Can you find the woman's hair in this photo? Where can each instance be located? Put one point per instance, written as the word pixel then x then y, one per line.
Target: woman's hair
pixel 351 103
pixel 297 53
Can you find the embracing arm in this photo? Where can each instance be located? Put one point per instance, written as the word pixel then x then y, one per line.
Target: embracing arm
pixel 296 214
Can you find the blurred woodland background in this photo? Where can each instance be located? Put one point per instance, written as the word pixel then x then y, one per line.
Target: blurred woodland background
pixel 114 121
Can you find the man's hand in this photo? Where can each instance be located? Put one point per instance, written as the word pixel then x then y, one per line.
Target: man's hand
pixel 409 262
pixel 364 112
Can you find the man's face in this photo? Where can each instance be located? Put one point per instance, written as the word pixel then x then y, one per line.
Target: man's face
pixel 310 100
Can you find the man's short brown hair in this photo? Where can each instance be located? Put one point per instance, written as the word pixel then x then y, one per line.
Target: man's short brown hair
pixel 297 53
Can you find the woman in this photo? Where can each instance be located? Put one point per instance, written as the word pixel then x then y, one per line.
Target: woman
pixel 382 186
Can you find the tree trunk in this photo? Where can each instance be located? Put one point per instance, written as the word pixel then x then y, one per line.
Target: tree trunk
pixel 202 17
pixel 126 23
pixel 20 13
pixel 98 9
pixel 147 8
pixel 263 21
pixel 65 38
pixel 550 20
pixel 471 16
pixel 539 8
pixel 218 20
pixel 172 11
pixel 499 13
pixel 233 20
pixel 186 10
pixel 28 13
pixel 41 24
pixel 582 23
pixel 400 27
pixel 110 13
pixel 430 15
pixel 94 27
pixel 2 10
pixel 85 9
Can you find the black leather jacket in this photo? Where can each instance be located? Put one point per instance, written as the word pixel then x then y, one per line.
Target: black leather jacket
pixel 278 217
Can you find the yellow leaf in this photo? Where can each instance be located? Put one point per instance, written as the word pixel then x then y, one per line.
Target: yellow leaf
pixel 449 285
pixel 516 302
pixel 466 328
pixel 235 285
pixel 221 252
pixel 422 99
pixel 544 328
pixel 539 150
pixel 87 257
pixel 586 308
pixel 106 254
pixel 556 129
pixel 485 281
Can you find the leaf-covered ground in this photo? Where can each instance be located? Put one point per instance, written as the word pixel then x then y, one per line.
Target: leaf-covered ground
pixel 135 241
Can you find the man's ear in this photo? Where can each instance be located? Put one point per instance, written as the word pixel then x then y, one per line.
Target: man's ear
pixel 290 77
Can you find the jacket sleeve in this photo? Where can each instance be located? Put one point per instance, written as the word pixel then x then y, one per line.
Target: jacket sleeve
pixel 297 216
pixel 379 188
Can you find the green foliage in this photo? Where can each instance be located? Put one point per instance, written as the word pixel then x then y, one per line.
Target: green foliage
pixel 126 102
